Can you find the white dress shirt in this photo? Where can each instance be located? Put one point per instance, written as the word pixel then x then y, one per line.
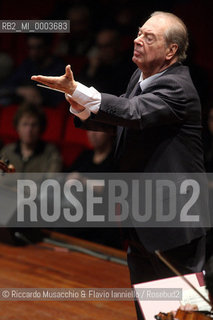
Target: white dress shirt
pixel 90 98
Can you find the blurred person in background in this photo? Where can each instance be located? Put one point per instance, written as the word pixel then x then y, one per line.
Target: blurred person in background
pixel 79 41
pixel 106 59
pixel 127 21
pixel 81 37
pixel 76 44
pixel 30 94
pixel 40 60
pixel 6 68
pixel 100 159
pixel 30 153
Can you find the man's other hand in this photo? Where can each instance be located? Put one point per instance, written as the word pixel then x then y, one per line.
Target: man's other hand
pixel 76 106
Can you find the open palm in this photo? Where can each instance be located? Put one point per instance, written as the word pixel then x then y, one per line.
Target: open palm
pixel 65 82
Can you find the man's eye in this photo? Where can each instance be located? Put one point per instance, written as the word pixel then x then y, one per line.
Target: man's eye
pixel 149 38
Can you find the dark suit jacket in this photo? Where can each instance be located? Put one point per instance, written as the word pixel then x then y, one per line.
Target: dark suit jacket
pixel 158 131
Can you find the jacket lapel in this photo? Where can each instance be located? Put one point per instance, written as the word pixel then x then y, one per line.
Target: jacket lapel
pixel 131 92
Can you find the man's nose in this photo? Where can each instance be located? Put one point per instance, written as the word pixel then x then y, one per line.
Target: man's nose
pixel 138 41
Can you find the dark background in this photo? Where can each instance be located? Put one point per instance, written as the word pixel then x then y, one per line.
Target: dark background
pixel 123 15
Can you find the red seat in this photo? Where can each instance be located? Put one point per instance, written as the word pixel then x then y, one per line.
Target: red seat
pixel 8 133
pixel 75 135
pixel 55 124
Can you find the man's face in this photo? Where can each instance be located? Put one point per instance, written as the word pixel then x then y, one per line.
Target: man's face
pixel 37 49
pixel 150 47
pixel 28 129
pixel 107 46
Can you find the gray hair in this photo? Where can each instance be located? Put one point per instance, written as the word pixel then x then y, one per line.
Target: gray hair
pixel 177 33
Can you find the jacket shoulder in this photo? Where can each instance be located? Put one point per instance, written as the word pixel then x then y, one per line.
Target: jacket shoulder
pixel 50 147
pixel 8 148
pixel 177 79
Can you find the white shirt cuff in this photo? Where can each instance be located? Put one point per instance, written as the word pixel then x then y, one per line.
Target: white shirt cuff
pixel 90 98
pixel 83 115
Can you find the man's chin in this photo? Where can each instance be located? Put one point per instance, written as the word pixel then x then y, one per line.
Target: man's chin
pixel 136 61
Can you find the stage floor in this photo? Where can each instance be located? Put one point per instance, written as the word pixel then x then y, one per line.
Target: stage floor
pixel 47 266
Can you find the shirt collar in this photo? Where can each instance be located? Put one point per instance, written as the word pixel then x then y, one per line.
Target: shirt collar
pixel 145 83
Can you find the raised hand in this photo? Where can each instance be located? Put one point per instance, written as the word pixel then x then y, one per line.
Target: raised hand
pixel 65 83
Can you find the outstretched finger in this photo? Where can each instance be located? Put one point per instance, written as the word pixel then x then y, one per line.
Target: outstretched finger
pixel 44 78
pixel 68 72
pixel 48 81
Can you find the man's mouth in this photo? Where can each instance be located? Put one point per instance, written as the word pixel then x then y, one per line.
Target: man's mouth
pixel 136 53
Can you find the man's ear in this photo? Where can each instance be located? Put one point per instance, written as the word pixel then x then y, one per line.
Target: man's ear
pixel 171 51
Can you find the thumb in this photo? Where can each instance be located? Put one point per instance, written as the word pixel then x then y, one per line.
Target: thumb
pixel 68 98
pixel 68 72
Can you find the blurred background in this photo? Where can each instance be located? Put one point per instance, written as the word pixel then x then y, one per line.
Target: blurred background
pixel 99 47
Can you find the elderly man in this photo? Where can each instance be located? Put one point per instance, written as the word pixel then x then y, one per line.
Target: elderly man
pixel 158 130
